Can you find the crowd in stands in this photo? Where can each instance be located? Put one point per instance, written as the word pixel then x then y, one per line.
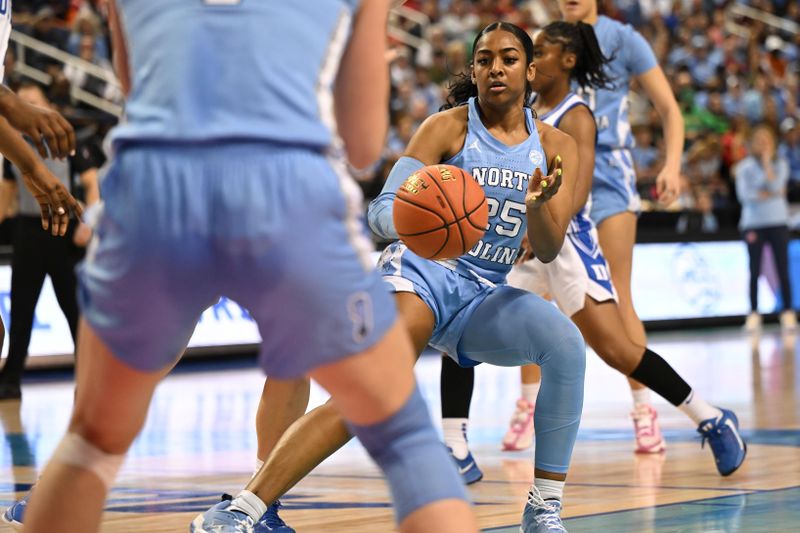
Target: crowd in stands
pixel 728 73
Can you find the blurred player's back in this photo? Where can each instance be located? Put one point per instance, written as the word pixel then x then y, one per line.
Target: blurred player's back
pixel 218 69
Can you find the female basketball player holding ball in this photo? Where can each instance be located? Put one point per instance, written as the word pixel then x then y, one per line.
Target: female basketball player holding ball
pixel 463 306
pixel 567 54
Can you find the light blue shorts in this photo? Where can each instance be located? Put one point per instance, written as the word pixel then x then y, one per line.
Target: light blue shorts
pixel 614 185
pixel 277 229
pixel 473 317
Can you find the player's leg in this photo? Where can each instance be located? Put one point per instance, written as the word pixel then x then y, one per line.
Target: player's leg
pixel 617 235
pixel 601 326
pixel 512 327
pixel 456 385
pixel 282 402
pixel 376 393
pixel 110 407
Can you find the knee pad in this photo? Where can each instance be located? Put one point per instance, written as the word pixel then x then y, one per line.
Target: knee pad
pixel 414 461
pixel 74 450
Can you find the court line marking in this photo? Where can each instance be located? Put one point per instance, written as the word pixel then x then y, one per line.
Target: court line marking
pixel 699 501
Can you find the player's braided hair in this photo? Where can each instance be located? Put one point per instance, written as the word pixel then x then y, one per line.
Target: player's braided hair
pixel 461 89
pixel 580 39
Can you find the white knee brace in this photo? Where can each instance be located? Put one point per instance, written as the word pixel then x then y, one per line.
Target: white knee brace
pixel 74 450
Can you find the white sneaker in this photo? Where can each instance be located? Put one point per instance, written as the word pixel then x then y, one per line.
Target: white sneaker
pixel 753 323
pixel 788 321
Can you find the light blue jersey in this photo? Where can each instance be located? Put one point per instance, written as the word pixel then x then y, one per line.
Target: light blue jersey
pixel 225 152
pixel 227 69
pixel 503 172
pixel 581 221
pixel 630 55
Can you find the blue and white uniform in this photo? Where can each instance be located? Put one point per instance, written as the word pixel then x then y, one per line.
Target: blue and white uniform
pixel 224 182
pixel 580 268
pixel 478 317
pixel 614 187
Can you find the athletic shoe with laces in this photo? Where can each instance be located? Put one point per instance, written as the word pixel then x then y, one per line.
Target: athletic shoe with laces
pixel 540 515
pixel 727 445
pixel 221 519
pixel 467 467
pixel 14 514
pixel 270 522
pixel 648 433
pixel 520 431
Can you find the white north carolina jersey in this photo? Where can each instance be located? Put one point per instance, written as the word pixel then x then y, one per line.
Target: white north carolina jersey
pixel 5 33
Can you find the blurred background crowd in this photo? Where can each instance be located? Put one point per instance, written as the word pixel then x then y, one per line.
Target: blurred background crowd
pixel 729 70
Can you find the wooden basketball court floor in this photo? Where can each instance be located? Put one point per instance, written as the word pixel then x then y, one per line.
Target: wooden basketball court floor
pixel 199 441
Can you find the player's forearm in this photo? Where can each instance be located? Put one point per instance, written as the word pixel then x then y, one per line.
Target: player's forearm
pixel 545 234
pixel 673 135
pixel 14 147
pixel 7 100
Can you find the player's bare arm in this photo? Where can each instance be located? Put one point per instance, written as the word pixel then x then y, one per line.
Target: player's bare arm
pixel 549 212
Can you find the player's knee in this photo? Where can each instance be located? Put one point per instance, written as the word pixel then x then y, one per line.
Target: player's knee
pixel 112 437
pixel 621 356
pixel 569 349
pixel 403 446
pixel 76 450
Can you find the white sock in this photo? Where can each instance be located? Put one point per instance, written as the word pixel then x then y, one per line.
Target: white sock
pixel 259 464
pixel 698 409
pixel 640 396
pixel 550 489
pixel 455 435
pixel 250 504
pixel 530 391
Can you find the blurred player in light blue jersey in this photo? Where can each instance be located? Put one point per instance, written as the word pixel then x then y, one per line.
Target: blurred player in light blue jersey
pixel 225 175
pixel 615 202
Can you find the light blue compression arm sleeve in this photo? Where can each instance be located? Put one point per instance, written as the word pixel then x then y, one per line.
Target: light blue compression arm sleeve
pixel 379 212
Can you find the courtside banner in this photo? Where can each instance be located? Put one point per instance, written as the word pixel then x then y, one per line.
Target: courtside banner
pixel 672 281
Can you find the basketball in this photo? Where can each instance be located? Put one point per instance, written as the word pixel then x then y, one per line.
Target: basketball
pixel 440 212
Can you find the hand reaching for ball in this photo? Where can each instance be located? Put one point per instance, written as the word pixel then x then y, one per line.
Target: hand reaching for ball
pixel 541 188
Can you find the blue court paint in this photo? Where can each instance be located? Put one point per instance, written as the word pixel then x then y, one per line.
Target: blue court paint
pixel 764 511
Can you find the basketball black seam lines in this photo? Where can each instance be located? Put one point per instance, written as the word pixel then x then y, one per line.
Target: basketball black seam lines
pixel 409 202
pixel 468 213
pixel 452 211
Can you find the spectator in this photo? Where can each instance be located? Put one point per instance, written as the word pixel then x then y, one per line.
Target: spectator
pixel 761 187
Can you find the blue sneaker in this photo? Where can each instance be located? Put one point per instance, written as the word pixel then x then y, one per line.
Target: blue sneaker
pixel 467 467
pixel 14 514
pixel 723 436
pixel 270 522
pixel 540 515
pixel 220 519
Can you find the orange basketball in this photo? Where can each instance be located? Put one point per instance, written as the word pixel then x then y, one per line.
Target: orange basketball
pixel 440 212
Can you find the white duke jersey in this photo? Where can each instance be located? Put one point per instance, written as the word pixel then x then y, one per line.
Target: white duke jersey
pixel 503 172
pixel 581 221
pixel 5 33
pixel 629 56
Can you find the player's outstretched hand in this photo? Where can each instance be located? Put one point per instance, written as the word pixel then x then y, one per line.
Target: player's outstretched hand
pixel 55 202
pixel 541 188
pixel 45 127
